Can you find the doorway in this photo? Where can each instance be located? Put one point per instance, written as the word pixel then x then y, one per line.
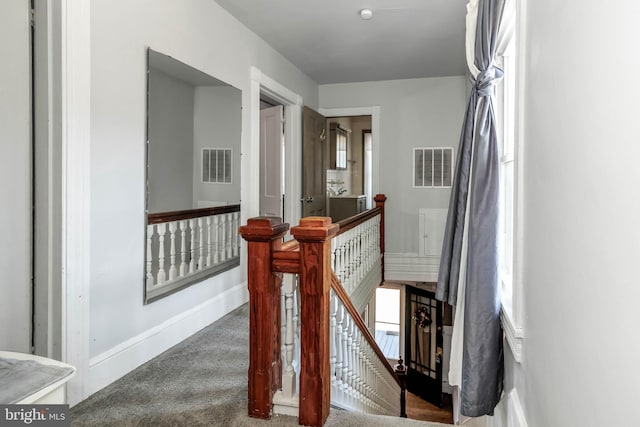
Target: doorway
pixel 368 138
pixel 387 321
pixel 272 145
pixel 263 87
pixel 424 344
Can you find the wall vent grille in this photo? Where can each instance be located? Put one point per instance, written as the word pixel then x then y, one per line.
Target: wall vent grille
pixel 432 167
pixel 216 165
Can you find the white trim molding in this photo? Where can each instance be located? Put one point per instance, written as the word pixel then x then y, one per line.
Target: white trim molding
pixel 261 84
pixel 76 142
pixel 411 267
pixel 515 413
pixel 513 334
pixel 128 355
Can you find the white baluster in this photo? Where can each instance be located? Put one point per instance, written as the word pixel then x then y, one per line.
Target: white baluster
pixel 234 228
pixel 216 239
pixel 183 247
pixel 289 375
pixel 332 337
pixel 200 265
pixel 223 237
pixel 209 243
pixel 149 279
pixel 337 263
pixel 351 350
pixel 358 368
pixel 162 277
pixel 172 250
pixel 192 246
pixel 229 235
pixel 338 339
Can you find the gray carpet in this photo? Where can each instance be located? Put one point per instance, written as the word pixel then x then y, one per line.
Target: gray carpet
pixel 200 382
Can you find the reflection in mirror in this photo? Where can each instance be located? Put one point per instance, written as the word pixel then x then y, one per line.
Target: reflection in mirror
pixel 193 176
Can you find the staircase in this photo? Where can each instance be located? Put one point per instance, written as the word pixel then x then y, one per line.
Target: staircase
pixel 309 346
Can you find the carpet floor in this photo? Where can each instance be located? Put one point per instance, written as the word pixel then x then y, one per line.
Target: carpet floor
pixel 201 381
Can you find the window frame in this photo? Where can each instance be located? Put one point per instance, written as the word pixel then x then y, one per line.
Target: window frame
pixel 511 283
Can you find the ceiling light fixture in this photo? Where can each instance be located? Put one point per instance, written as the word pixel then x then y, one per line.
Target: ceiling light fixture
pixel 366 14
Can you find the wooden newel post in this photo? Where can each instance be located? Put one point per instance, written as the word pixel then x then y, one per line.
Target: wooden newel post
pixel 380 199
pixel 314 235
pixel 401 372
pixel 264 236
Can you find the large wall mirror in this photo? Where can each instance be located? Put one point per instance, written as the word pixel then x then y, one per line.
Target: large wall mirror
pixel 194 126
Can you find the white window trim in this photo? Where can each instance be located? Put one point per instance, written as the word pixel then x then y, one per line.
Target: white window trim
pixel 512 295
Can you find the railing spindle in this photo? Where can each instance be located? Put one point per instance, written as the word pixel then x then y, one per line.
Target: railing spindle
pixel 161 277
pixel 209 259
pixel 149 276
pixel 192 246
pixel 201 244
pixel 183 247
pixel 173 272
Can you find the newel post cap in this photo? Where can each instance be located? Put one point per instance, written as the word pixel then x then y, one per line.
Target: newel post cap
pixel 263 228
pixel 315 229
pixel 380 198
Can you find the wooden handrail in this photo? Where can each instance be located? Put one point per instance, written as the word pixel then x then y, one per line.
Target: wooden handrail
pixel 160 217
pixel 353 311
pixel 352 222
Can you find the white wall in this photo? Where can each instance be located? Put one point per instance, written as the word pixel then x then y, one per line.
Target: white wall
pixel 171 143
pixel 413 113
pixel 217 124
pixel 123 332
pixel 15 176
pixel 582 235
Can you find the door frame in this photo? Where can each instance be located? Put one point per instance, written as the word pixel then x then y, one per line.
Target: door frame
pixel 374 112
pixel 429 388
pixel 72 35
pixel 262 84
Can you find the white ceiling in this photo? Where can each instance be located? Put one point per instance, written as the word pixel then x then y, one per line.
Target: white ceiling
pixel 328 41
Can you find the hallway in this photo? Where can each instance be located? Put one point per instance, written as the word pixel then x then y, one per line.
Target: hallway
pixel 200 382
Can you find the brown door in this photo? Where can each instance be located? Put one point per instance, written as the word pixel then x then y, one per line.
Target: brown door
pixel 314 137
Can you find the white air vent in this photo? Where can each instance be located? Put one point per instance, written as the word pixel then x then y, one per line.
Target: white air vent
pixel 216 165
pixel 432 167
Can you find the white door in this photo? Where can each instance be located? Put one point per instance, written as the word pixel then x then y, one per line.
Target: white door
pixel 271 161
pixel 15 176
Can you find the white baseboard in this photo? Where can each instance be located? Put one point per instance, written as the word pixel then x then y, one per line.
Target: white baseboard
pixel 515 416
pixel 107 367
pixel 411 266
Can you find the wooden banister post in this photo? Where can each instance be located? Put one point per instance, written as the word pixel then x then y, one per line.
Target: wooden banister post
pixel 380 199
pixel 401 372
pixel 264 236
pixel 314 235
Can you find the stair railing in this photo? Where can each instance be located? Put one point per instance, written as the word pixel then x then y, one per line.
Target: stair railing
pixel 185 247
pixel 339 362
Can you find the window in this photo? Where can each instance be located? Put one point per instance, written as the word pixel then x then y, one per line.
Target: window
pixel 216 165
pixel 432 167
pixel 508 99
pixel 387 326
pixel 368 168
pixel 338 146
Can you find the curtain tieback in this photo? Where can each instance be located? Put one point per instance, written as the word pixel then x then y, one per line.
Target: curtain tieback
pixel 487 79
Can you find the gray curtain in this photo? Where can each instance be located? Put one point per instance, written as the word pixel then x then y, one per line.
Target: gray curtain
pixel 476 181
